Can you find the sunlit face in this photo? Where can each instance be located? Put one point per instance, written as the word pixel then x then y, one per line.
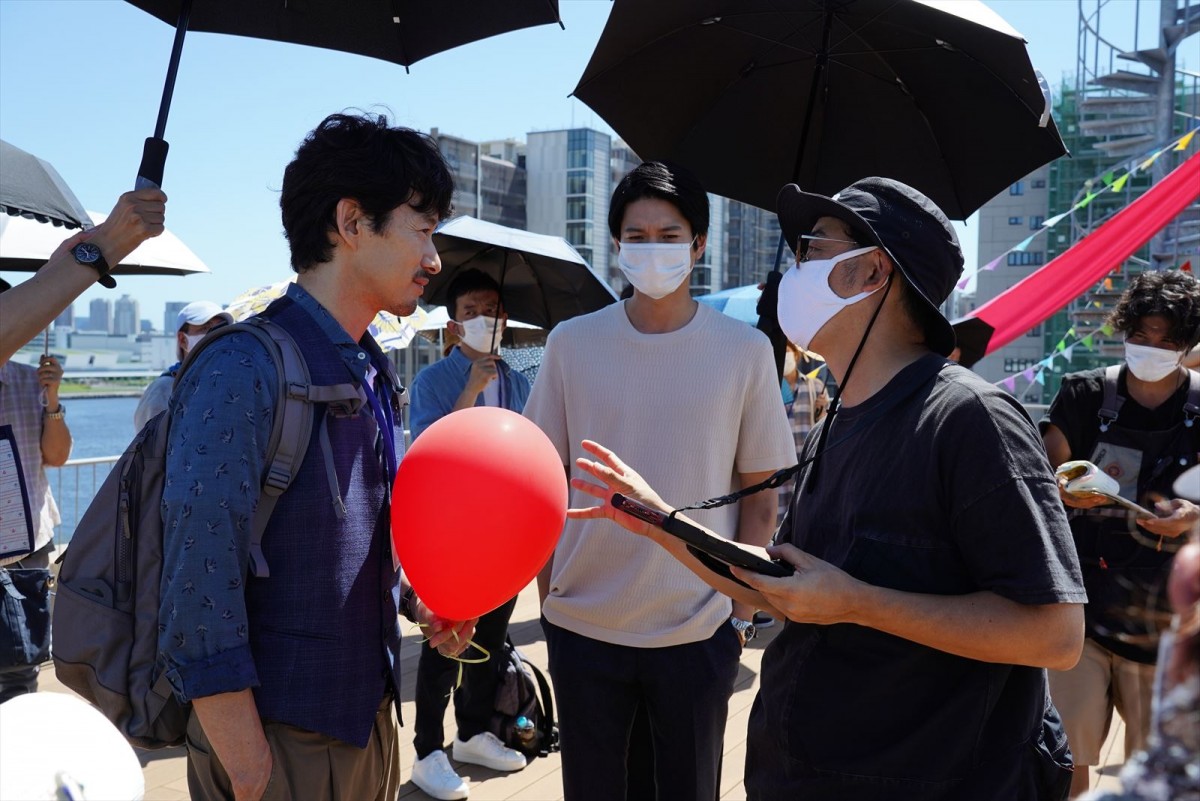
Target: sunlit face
pixel 835 239
pixel 479 303
pixel 654 220
pixel 1154 331
pixel 397 262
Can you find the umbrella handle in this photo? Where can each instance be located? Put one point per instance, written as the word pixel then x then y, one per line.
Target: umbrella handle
pixel 154 159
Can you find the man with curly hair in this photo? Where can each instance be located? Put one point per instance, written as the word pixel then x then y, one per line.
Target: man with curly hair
pixel 1138 423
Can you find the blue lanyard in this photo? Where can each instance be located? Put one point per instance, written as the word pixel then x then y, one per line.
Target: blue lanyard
pixel 387 429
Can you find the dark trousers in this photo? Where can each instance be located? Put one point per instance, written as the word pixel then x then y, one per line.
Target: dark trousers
pixel 685 691
pixel 16 681
pixel 474 700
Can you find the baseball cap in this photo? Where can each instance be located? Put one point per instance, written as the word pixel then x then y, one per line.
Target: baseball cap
pixel 893 216
pixel 200 312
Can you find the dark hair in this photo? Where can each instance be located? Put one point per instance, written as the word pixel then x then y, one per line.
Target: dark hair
pixel 465 282
pixel 665 181
pixel 359 157
pixel 1173 295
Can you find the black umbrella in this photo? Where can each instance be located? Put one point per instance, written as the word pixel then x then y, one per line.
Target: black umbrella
pixel 972 335
pixel 30 187
pixel 543 279
pixel 754 94
pixel 400 31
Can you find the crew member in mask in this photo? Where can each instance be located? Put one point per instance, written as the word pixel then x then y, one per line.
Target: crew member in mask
pixel 191 324
pixel 934 574
pixel 472 374
pixel 693 397
pixel 1139 422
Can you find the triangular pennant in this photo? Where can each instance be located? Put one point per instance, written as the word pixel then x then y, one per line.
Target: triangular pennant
pixel 1145 165
pixel 1040 377
pixel 1090 197
pixel 1119 184
pixel 1106 329
pixel 1025 243
pixel 1186 267
pixel 1056 219
pixel 1108 284
pixel 1070 332
pixel 813 374
pixel 1062 344
pixel 1187 139
pixel 1067 353
pixel 1028 375
pixel 1010 383
pixel 1107 178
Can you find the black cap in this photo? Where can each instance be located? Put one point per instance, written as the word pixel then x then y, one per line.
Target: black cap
pixel 914 233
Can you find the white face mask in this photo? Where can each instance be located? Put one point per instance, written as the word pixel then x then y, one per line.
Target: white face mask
pixel 1151 364
pixel 806 302
pixel 481 333
pixel 192 339
pixel 655 269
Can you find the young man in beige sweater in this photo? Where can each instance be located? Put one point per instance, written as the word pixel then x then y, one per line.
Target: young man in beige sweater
pixel 693 398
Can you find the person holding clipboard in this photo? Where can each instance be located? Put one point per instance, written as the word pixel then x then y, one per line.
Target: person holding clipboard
pixel 33 425
pixel 929 573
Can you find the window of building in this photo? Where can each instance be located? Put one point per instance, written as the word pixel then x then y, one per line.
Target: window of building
pixel 579 234
pixel 1029 258
pixel 577 208
pixel 1035 222
pixel 1017 189
pixel 1018 365
pixel 1016 220
pixel 1036 331
pixel 577 183
pixel 1037 183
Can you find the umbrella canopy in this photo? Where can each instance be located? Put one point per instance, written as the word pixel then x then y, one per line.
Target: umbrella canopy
pixel 740 303
pixel 390 332
pixel 938 94
pixel 437 317
pixel 30 187
pixel 25 246
pixel 543 279
pixel 400 31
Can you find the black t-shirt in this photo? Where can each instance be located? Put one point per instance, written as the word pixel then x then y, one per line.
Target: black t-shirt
pixel 937 484
pixel 1075 409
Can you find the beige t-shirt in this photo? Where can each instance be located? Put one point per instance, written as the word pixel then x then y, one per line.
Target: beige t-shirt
pixel 689 410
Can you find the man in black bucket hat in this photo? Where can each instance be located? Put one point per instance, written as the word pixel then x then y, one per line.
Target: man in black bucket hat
pixel 935 577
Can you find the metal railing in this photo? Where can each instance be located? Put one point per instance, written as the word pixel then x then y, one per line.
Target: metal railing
pixel 74 485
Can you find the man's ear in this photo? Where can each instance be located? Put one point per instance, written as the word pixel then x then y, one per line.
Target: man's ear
pixel 350 221
pixel 880 268
pixel 454 328
pixel 699 247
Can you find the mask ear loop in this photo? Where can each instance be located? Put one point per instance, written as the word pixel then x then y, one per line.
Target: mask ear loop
pixel 835 405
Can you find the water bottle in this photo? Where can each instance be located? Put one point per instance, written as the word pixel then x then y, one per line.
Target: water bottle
pixel 524 732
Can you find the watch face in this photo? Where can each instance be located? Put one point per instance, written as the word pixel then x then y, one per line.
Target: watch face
pixel 87 253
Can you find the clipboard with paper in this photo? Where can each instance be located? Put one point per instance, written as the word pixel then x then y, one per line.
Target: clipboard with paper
pixel 16 521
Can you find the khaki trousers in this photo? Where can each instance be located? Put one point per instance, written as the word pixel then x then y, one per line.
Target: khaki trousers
pixel 307 766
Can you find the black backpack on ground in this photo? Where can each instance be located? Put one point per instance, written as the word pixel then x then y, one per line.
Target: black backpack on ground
pixel 523 692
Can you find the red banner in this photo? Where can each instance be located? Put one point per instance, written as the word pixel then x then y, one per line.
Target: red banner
pixel 1035 299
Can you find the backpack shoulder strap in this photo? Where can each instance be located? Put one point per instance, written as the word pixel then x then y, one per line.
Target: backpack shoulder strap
pixel 291 423
pixel 1191 404
pixel 1111 405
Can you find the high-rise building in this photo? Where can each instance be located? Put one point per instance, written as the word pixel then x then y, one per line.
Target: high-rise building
pixel 171 315
pixel 489 178
pixel 100 315
pixel 126 314
pixel 751 244
pixel 569 182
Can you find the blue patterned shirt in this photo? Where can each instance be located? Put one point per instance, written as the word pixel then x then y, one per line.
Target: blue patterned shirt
pixel 221 416
pixel 435 390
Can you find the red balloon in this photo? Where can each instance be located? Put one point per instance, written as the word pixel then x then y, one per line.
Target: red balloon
pixel 479 502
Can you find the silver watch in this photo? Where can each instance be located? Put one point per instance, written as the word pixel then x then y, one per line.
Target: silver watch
pixel 744 627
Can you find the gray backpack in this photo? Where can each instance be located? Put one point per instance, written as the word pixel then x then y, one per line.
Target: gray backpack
pixel 105 642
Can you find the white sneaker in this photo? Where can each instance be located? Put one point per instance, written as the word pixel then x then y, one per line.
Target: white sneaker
pixel 434 775
pixel 487 750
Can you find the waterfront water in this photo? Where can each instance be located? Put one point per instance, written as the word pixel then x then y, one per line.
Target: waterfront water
pixel 99 427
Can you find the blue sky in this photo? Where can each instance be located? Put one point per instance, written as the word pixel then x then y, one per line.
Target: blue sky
pixel 80 83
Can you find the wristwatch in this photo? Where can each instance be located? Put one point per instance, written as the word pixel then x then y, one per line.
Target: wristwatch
pixel 60 414
pixel 89 255
pixel 745 629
